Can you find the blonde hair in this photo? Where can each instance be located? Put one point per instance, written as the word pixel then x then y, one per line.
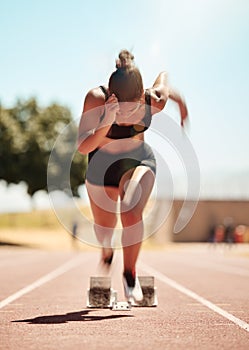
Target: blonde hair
pixel 126 81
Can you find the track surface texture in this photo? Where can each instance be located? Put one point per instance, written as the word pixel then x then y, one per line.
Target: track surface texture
pixel 203 294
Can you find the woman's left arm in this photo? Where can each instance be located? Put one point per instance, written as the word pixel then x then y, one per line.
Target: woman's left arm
pixel 159 92
pixel 175 96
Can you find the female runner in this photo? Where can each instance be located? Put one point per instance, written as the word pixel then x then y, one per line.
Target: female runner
pixel 120 164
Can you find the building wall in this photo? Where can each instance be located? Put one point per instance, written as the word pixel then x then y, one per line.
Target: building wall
pixel 207 214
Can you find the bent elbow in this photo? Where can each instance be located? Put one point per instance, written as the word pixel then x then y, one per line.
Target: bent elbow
pixel 82 148
pixel 84 143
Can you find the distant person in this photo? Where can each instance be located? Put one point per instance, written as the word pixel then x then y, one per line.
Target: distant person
pixel 121 165
pixel 74 233
pixel 229 230
pixel 211 234
pixel 219 234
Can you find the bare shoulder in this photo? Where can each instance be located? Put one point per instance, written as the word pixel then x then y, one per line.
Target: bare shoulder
pixel 96 94
pixel 94 98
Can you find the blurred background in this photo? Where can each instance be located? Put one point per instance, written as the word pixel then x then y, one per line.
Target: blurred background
pixel 52 53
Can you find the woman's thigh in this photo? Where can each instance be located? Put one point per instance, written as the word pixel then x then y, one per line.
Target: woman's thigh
pixel 135 188
pixel 103 201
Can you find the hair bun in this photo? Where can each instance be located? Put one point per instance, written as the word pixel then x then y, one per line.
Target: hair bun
pixel 125 59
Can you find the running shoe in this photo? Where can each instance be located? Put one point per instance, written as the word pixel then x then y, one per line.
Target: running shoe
pixel 132 288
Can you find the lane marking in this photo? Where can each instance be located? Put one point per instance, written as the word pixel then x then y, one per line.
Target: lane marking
pixel 46 278
pixel 170 282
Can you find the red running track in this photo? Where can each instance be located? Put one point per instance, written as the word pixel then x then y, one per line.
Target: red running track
pixel 203 301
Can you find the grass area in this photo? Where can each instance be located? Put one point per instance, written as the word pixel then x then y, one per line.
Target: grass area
pixel 37 229
pixel 58 239
pixel 42 229
pixel 35 219
pixel 41 239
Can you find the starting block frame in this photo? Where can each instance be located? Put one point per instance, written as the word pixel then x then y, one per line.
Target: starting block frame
pixel 102 295
pixel 149 290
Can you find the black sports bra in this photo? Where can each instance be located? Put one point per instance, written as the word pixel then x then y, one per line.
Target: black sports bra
pixel 125 131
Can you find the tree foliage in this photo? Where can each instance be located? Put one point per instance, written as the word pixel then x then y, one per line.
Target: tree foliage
pixel 27 136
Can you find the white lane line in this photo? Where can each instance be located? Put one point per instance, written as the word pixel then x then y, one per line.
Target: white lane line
pixel 170 282
pixel 46 278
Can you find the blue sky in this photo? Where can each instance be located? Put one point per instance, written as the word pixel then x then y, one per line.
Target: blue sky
pixel 57 50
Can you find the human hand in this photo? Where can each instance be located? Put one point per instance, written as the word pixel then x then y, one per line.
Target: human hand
pixel 111 109
pixel 154 95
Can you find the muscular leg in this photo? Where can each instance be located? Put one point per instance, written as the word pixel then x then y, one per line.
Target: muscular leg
pixel 142 180
pixel 103 201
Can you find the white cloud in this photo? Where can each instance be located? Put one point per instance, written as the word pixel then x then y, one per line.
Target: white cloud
pixel 14 198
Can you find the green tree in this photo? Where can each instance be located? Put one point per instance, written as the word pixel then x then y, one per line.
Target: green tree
pixel 12 140
pixel 27 137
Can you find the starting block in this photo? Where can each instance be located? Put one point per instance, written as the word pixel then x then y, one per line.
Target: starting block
pixel 149 290
pixel 100 294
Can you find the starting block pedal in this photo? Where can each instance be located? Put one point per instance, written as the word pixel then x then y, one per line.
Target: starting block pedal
pixel 121 306
pixel 100 294
pixel 149 290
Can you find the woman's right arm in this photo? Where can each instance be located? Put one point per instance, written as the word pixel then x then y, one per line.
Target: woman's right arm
pixel 91 130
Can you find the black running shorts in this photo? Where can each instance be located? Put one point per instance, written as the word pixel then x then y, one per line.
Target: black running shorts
pixel 107 169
